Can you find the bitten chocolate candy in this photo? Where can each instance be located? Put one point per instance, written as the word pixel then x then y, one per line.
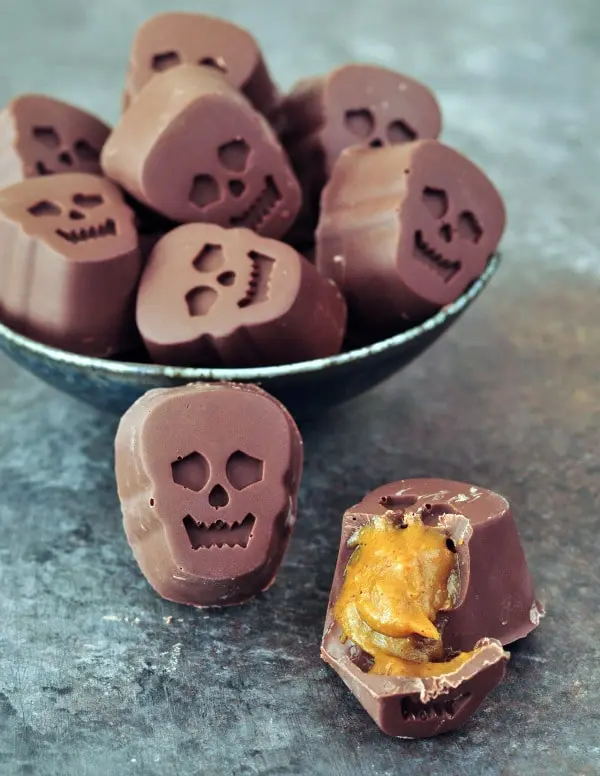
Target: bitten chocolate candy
pixel 356 104
pixel 410 602
pixel 226 297
pixel 208 476
pixel 69 263
pixel 171 39
pixel 404 230
pixel 192 148
pixel 41 136
pixel 499 600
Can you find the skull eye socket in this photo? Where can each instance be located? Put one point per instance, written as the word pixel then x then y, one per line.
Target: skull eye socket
pixel 436 201
pixel 360 122
pixel 191 472
pixel 199 300
pixel 243 470
pixel 204 191
pixel 45 208
pixel 469 227
pixel 88 200
pixel 165 60
pixel 234 155
pixel 218 64
pixel 400 132
pixel 209 259
pixel 85 151
pixel 47 136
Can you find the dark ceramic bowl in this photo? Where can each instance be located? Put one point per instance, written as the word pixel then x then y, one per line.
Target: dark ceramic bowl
pixel 305 388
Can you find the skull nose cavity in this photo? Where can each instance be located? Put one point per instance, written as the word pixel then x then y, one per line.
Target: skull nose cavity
pixel 65 158
pixel 376 143
pixel 76 215
pixel 446 233
pixel 218 497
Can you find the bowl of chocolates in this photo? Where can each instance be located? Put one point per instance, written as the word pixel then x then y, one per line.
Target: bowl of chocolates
pixel 312 242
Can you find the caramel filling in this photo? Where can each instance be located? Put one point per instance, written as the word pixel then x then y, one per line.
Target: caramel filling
pixel 398 579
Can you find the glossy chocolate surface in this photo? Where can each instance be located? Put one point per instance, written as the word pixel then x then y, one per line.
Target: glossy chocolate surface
pixel 40 135
pixel 69 263
pixel 194 149
pixel 170 39
pixel 495 605
pixel 405 229
pixel 353 105
pixel 208 476
pixel 226 297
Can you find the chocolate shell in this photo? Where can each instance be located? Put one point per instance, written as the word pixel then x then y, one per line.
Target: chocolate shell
pixel 208 477
pixel 226 297
pixel 404 230
pixel 495 605
pixel 171 39
pixel 69 263
pixel 193 148
pixel 42 136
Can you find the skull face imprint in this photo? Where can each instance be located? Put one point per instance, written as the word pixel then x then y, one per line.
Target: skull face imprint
pixel 227 185
pixel 76 214
pixel 54 137
pixel 172 39
pixel 363 124
pixel 450 235
pixel 374 107
pixel 220 489
pixel 237 176
pixel 206 288
pixel 241 471
pixel 249 283
pixel 62 159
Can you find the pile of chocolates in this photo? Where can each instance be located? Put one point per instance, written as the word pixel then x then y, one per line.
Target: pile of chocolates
pixel 223 223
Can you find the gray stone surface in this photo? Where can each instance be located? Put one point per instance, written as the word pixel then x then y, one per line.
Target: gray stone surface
pixel 94 679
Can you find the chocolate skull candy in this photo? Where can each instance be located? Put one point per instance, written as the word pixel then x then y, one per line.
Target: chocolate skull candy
pixel 411 601
pixel 192 148
pixel 404 230
pixel 353 105
pixel 69 263
pixel 40 136
pixel 171 39
pixel 226 297
pixel 208 476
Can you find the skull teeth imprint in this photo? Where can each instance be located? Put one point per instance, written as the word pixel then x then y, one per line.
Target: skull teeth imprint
pixel 219 534
pixel 261 208
pixel 446 268
pixel 259 285
pixel 75 236
pixel 443 709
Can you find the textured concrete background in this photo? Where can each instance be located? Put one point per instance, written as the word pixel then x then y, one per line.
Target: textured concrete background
pixel 93 679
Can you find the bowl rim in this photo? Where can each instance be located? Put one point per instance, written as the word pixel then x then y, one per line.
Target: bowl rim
pixel 195 374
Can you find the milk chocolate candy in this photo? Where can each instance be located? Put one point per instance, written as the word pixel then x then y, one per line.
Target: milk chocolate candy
pixel 405 229
pixel 499 600
pixel 171 39
pixel 412 657
pixel 40 136
pixel 356 104
pixel 226 297
pixel 69 263
pixel 192 148
pixel 208 476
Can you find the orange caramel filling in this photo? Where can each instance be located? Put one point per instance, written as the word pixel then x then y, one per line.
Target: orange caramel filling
pixel 399 577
